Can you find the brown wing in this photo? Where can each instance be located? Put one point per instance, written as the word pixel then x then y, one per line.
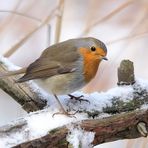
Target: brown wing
pixel 50 64
pixel 63 52
pixel 37 70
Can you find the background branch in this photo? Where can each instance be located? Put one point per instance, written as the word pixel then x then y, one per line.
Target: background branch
pixel 107 17
pixel 25 38
pixel 27 95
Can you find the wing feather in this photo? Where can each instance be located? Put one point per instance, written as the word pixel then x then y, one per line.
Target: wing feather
pixel 53 61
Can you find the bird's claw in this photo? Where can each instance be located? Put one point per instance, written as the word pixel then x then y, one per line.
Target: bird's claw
pixel 79 98
pixel 71 115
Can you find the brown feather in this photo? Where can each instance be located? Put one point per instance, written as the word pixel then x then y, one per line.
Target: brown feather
pixel 55 60
pixel 45 73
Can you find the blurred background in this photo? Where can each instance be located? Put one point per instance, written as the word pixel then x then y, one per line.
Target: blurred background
pixel 27 27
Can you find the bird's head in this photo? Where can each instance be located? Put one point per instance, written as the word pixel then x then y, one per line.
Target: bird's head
pixel 94 49
pixel 93 52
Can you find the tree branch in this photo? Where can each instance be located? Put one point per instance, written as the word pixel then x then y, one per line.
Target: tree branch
pixel 24 93
pixel 122 126
pixel 128 125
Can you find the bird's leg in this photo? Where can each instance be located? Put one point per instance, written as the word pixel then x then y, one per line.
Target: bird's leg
pixel 79 98
pixel 63 111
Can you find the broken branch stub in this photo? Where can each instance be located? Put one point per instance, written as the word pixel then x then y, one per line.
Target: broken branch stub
pixel 126 73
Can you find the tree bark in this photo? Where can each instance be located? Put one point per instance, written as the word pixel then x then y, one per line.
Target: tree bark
pixel 117 127
pixel 23 93
pixel 126 73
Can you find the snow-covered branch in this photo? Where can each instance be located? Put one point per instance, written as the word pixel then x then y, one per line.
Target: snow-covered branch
pixel 104 118
pixel 32 132
pixel 122 126
pixel 28 95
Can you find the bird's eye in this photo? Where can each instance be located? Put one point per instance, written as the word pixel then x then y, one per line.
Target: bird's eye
pixel 93 48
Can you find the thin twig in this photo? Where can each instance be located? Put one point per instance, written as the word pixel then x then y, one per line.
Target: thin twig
pixel 139 21
pixel 107 17
pixel 133 36
pixel 9 18
pixel 59 21
pixel 48 35
pixel 24 39
pixel 20 14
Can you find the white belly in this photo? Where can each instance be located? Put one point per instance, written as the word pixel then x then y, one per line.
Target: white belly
pixel 62 84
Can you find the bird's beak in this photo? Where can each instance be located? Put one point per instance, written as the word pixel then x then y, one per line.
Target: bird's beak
pixel 104 58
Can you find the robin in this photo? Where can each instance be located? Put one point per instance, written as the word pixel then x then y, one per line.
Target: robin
pixel 65 67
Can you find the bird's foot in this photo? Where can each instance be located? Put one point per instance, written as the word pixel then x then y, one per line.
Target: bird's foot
pixel 79 98
pixel 66 113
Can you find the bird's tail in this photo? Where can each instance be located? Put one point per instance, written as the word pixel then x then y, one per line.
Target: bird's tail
pixel 11 73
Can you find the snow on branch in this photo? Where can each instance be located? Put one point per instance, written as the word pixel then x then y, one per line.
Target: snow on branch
pixel 122 126
pixel 28 95
pixel 116 114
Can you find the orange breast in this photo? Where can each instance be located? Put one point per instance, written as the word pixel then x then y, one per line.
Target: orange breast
pixel 91 64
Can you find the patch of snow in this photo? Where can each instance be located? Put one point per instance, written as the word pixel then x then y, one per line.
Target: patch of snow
pixel 8 64
pixel 144 107
pixel 142 83
pixel 35 88
pixel 2 144
pixel 124 92
pixel 100 100
pixel 38 125
pixel 11 140
pixel 41 124
pixel 78 137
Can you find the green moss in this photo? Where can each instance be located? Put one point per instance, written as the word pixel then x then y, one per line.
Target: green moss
pixel 119 106
pixel 93 114
pixel 62 142
pixel 53 131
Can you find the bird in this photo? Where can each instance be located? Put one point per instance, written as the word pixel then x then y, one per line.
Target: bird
pixel 64 67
